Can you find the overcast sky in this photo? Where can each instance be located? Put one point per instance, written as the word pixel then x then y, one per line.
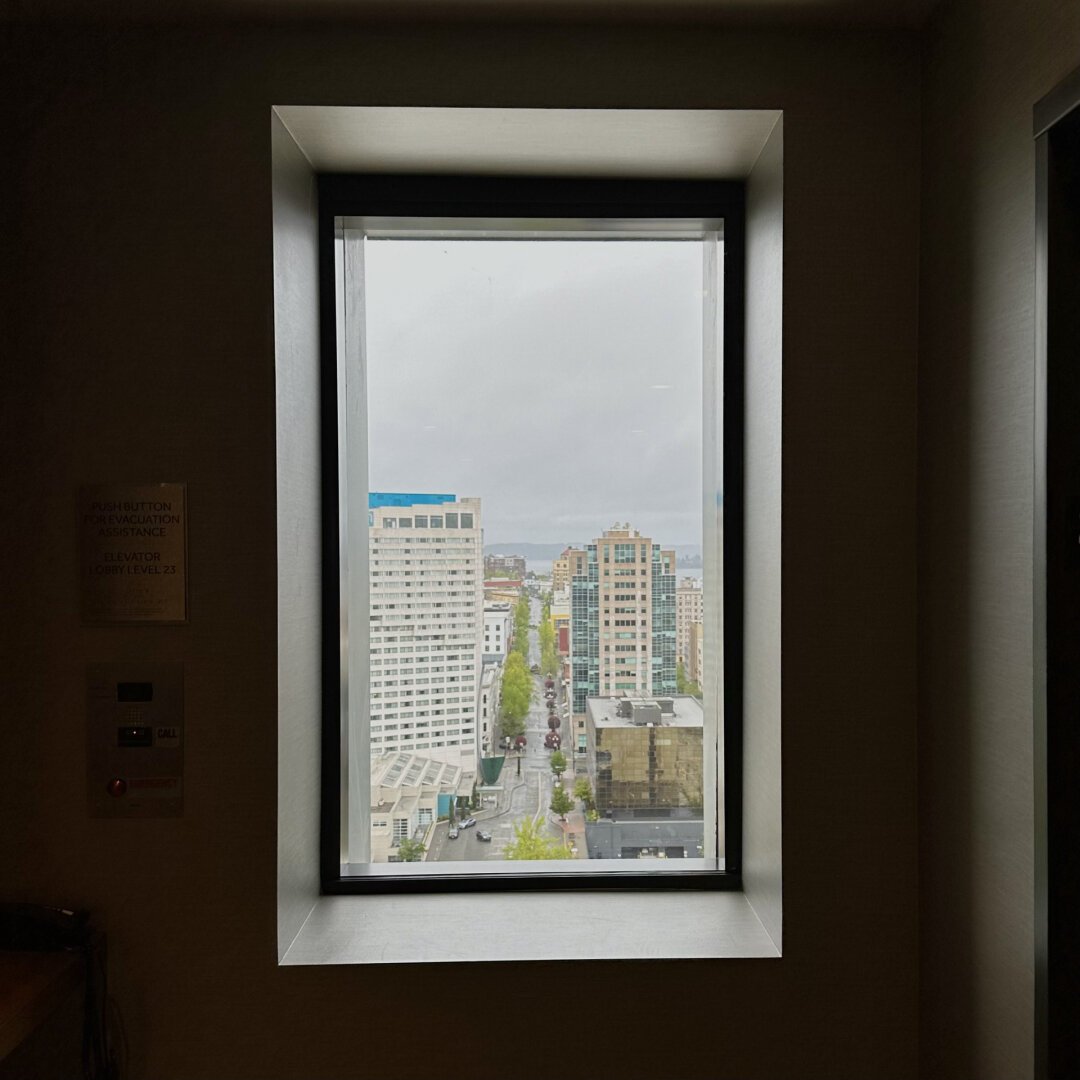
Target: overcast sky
pixel 558 381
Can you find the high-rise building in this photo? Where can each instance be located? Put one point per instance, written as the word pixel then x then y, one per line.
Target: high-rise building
pixel 572 561
pixel 689 609
pixel 427 624
pixel 622 618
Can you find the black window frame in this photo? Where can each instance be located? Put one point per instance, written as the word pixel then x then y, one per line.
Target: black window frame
pixel 449 196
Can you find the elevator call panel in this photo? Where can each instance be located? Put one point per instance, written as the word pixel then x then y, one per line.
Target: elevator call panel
pixel 135 739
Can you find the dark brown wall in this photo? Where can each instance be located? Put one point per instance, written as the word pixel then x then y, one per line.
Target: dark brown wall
pixel 137 214
pixel 986 64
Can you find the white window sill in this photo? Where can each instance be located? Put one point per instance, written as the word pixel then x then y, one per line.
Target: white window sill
pixel 444 928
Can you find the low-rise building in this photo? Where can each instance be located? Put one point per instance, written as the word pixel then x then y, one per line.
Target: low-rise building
pixel 504 566
pixel 563 569
pixel 502 591
pixel 560 619
pixel 409 793
pixel 645 763
pixel 498 626
pixel 490 686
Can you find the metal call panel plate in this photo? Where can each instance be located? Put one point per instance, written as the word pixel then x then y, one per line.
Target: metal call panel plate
pixel 135 739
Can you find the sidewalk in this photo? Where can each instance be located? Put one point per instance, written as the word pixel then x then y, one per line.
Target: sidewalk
pixel 574 825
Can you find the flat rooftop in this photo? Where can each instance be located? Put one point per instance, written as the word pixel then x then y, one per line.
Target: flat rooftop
pixel 687 711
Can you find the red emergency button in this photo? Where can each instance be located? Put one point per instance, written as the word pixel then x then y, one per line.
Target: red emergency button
pixel 116 787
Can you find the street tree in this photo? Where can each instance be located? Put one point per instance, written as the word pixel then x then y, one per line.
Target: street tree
pixel 521 626
pixel 510 727
pixel 583 791
pixel 522 610
pixel 517 688
pixel 558 763
pixel 411 850
pixel 549 660
pixel 561 803
pixel 530 843
pixel 684 685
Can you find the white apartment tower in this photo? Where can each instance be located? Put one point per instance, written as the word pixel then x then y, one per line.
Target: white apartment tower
pixel 689 609
pixel 427 625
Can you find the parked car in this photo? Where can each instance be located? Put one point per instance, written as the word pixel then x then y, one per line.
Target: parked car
pixel 468 823
pixel 484 836
pixel 453 833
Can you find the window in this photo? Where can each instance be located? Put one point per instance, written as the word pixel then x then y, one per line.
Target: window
pixel 353 209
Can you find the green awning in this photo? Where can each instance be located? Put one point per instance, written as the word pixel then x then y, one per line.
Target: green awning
pixel 490 767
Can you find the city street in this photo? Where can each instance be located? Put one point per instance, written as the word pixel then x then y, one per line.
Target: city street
pixel 524 795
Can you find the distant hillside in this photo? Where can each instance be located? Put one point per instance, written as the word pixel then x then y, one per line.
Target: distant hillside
pixel 530 551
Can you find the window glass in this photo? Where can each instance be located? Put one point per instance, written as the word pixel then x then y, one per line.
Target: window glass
pixel 591 745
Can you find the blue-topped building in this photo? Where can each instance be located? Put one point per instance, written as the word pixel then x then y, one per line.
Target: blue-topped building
pixel 426 624
pixel 377 499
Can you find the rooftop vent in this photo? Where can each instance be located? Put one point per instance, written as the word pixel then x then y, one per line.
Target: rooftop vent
pixel 645 712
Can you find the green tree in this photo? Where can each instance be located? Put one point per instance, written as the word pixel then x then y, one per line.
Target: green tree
pixel 411 850
pixel 549 658
pixel 530 843
pixel 558 763
pixel 583 791
pixel 510 727
pixel 517 687
pixel 517 690
pixel 521 627
pixel 561 803
pixel 684 685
